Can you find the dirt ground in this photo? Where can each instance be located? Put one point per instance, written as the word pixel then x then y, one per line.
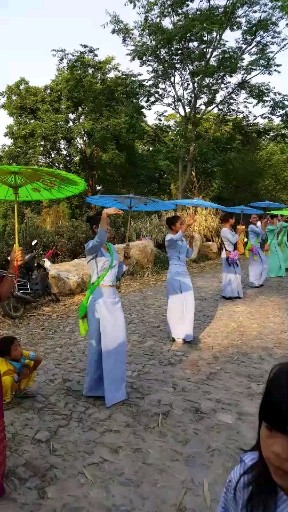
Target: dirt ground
pixel 188 415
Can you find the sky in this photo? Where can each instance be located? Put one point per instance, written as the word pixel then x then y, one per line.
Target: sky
pixel 30 29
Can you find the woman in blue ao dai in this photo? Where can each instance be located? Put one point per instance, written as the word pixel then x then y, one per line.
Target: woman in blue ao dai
pixel 258 265
pixel 231 270
pixel 260 482
pixel 180 294
pixel 107 340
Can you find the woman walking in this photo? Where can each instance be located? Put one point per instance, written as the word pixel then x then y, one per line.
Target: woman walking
pixel 276 266
pixel 106 359
pixel 231 270
pixel 6 287
pixel 180 294
pixel 258 265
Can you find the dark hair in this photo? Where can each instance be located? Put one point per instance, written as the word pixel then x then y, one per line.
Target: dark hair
pixel 273 216
pixel 172 221
pixel 94 219
pixel 274 412
pixel 6 343
pixel 225 217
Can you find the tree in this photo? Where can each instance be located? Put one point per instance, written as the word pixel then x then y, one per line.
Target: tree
pixel 202 57
pixel 86 120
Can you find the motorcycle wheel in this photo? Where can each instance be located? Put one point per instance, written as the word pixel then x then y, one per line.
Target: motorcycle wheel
pixel 12 308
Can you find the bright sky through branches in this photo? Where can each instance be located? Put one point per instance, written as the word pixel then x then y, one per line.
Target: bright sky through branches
pixel 30 29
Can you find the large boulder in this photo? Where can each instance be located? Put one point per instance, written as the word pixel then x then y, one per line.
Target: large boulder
pixel 197 241
pixel 71 278
pixel 209 251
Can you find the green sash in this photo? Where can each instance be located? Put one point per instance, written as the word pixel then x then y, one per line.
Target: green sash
pixel 83 308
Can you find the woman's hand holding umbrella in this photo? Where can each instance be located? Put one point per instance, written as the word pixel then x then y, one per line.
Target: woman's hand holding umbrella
pixel 104 224
pixel 16 259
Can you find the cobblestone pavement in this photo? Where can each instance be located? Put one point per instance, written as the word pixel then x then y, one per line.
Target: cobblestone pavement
pixel 188 415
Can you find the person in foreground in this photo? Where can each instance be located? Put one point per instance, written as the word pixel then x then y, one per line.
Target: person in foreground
pixel 258 265
pixel 180 295
pixel 231 270
pixel 6 287
pixel 260 482
pixel 107 340
pixel 17 369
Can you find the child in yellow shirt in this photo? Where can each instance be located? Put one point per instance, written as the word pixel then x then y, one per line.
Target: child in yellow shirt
pixel 17 368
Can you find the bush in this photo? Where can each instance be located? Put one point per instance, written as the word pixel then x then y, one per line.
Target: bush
pixel 52 227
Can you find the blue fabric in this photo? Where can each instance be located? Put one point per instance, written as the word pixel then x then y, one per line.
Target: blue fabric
pixel 231 274
pixel 107 340
pixel 131 203
pixel 267 204
pixel 198 203
pixel 243 210
pixel 235 502
pixel 179 289
pixel 258 264
pixel 98 260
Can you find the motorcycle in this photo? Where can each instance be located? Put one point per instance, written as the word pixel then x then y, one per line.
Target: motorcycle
pixel 31 284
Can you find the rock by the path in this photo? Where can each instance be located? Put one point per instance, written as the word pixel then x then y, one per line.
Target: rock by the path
pixel 209 250
pixel 71 278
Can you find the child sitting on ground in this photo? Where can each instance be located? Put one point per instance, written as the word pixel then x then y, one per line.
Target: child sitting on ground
pixel 17 368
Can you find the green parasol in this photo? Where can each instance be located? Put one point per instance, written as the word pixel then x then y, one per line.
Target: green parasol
pixel 28 183
pixel 280 212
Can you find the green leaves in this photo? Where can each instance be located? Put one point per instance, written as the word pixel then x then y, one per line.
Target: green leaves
pixel 205 57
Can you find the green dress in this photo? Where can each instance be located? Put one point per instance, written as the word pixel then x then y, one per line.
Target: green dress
pixel 276 267
pixel 283 241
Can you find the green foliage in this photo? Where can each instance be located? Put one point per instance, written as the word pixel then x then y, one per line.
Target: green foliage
pixel 203 57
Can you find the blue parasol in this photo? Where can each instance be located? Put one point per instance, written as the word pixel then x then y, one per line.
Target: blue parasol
pixel 131 203
pixel 268 205
pixel 243 210
pixel 198 203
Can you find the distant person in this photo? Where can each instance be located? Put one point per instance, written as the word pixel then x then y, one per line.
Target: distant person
pixel 283 240
pixel 258 265
pixel 260 482
pixel 259 221
pixel 180 294
pixel 276 266
pixel 231 270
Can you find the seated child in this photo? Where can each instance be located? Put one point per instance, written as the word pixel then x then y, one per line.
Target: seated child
pixel 17 367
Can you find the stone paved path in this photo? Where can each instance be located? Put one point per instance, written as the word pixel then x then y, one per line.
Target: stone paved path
pixel 188 415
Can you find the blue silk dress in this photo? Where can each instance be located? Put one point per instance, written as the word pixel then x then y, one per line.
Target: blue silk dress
pixel 180 294
pixel 231 274
pixel 107 340
pixel 258 265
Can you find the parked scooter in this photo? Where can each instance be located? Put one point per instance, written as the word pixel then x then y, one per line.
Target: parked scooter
pixel 31 284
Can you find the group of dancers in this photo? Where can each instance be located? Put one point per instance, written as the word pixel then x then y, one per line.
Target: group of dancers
pixel 263 472
pixel 266 246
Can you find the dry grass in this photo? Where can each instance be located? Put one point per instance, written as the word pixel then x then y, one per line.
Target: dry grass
pixel 153 226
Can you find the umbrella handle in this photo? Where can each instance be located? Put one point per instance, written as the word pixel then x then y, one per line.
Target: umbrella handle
pixel 16 221
pixel 128 228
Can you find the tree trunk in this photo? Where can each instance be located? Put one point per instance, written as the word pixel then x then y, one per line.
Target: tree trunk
pixel 189 175
pixel 180 177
